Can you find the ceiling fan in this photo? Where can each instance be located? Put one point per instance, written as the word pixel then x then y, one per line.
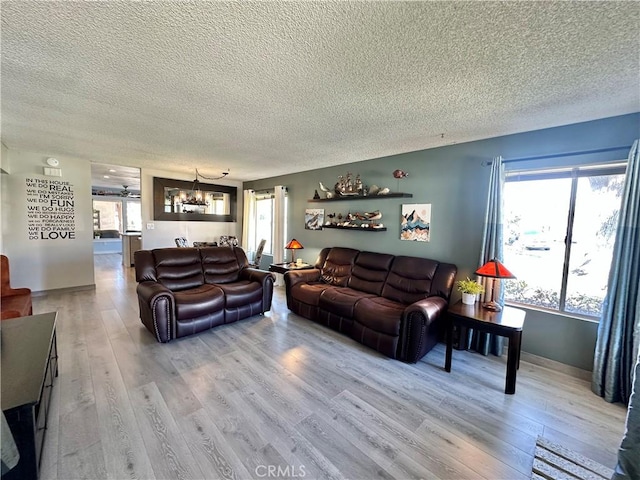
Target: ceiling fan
pixel 128 193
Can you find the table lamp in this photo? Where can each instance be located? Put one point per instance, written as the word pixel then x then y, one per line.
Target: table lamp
pixel 294 245
pixel 494 269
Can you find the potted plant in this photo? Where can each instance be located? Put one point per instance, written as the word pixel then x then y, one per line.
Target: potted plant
pixel 469 288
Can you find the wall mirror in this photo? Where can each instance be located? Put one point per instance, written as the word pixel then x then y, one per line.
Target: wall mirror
pixel 197 201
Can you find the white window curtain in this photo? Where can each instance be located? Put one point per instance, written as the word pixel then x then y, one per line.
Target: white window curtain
pixel 249 221
pixel 279 224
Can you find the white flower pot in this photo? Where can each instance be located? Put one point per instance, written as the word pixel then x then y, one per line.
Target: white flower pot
pixel 468 298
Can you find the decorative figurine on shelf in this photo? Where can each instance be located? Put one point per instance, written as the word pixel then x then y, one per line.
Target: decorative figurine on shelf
pixel 358 185
pixel 328 193
pixel 399 175
pixel 369 216
pixel 316 196
pixel 346 186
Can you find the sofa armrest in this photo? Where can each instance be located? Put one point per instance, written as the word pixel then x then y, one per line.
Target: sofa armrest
pixel 294 277
pixel 147 291
pixel 12 292
pixel 419 329
pixel 157 310
pixel 266 279
pixel 257 275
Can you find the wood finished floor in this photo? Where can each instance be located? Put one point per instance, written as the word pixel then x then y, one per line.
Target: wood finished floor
pixel 278 396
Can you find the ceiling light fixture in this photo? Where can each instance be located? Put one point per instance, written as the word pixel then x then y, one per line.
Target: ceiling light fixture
pixel 224 174
pixel 197 198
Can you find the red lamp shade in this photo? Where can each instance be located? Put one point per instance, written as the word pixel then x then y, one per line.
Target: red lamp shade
pixel 495 269
pixel 294 245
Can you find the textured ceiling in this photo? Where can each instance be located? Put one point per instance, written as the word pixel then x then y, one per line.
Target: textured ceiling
pixel 269 88
pixel 114 177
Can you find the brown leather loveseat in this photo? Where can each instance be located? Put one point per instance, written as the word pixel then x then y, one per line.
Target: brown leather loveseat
pixel 182 291
pixel 393 304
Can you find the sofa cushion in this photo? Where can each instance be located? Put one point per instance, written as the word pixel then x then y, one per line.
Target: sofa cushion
pixel 370 271
pixel 220 264
pixel 178 268
pixel 409 279
pixel 198 301
pixel 341 300
pixel 240 293
pixel 338 265
pixel 380 314
pixel 308 293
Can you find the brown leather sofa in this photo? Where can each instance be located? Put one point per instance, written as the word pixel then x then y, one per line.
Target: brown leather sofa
pixel 393 304
pixel 182 291
pixel 14 302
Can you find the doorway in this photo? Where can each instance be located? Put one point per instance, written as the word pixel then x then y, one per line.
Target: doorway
pixel 117 214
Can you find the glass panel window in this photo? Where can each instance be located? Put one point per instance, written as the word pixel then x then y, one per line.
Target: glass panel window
pixel 134 216
pixel 559 232
pixel 534 231
pixel 110 215
pixel 598 201
pixel 264 222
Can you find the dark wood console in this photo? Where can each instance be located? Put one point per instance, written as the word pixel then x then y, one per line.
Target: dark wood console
pixel 29 366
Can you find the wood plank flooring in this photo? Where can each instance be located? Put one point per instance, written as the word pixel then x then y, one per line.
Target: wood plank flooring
pixel 277 396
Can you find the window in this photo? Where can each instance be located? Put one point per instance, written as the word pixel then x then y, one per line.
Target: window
pixel 264 221
pixel 116 214
pixel 110 215
pixel 559 232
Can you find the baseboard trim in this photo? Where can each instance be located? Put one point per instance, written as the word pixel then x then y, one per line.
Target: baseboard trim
pixel 557 366
pixel 79 288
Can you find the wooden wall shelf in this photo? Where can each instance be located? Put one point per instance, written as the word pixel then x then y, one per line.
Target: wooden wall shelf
pixel 361 197
pixel 357 229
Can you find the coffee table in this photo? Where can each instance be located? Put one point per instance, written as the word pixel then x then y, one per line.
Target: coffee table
pixel 507 323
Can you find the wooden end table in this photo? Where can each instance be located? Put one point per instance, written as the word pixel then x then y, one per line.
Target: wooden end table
pixel 288 267
pixel 507 323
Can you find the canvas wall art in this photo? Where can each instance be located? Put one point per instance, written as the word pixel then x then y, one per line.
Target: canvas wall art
pixel 416 222
pixel 313 218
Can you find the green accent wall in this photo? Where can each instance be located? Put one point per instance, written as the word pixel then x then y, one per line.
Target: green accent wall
pixel 454 180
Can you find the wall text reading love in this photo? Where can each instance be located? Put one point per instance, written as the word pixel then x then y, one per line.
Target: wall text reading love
pixel 51 213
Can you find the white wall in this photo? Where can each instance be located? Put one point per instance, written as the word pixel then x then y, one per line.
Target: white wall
pixel 4 169
pixel 164 232
pixel 46 264
pixel 4 158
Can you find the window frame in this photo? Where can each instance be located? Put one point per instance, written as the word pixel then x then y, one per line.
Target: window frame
pixel 263 196
pixel 574 173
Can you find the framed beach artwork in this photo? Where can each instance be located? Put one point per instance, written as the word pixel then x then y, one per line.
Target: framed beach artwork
pixel 416 222
pixel 313 218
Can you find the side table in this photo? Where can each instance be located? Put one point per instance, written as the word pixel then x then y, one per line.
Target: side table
pixel 288 267
pixel 507 323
